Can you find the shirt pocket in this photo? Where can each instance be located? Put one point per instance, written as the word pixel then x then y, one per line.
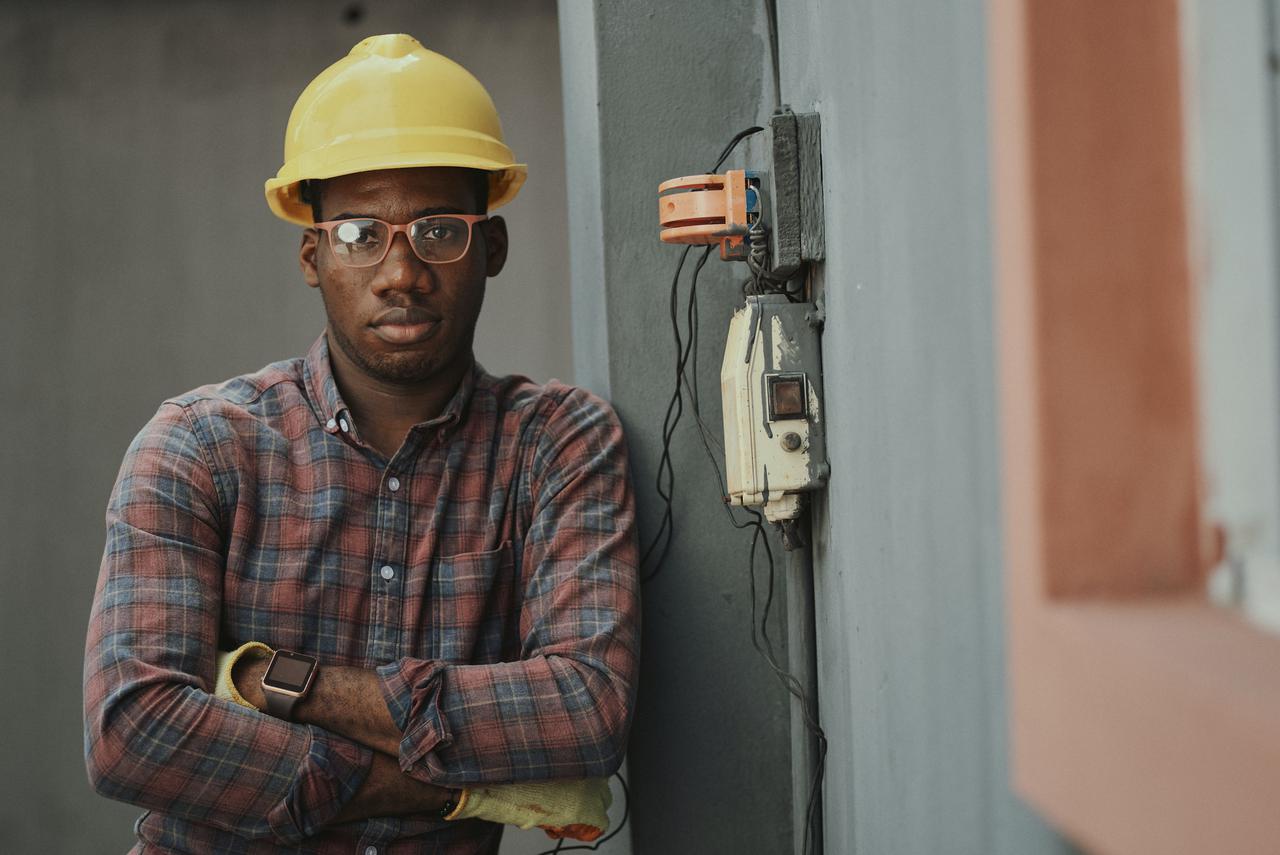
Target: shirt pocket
pixel 475 607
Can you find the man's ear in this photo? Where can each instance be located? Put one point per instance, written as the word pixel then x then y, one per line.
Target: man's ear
pixel 307 257
pixel 495 245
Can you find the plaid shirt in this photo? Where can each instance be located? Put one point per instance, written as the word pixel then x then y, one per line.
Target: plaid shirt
pixel 487 571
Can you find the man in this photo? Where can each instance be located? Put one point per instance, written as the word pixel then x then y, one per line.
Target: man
pixel 441 562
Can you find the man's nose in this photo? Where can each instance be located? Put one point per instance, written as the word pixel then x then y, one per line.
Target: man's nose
pixel 402 270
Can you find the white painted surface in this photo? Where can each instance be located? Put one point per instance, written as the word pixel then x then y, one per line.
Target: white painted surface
pixel 1232 165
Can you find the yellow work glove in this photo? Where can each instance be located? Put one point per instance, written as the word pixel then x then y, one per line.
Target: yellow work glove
pixel 577 809
pixel 226 688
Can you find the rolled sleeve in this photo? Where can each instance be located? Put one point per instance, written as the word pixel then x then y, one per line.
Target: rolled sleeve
pixel 412 689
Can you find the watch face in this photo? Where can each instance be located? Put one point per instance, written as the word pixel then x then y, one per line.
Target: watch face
pixel 289 671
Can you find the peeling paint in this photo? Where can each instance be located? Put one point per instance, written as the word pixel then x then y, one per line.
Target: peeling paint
pixel 785 350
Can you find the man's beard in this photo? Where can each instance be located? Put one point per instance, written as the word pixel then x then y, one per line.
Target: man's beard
pixel 405 367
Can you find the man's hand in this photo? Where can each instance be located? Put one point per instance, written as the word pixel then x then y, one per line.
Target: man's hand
pixel 387 791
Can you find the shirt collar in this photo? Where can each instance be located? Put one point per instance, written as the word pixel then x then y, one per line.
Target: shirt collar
pixel 321 387
pixel 456 410
pixel 332 410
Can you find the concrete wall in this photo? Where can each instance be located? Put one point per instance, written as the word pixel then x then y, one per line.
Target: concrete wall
pixel 709 754
pixel 140 260
pixel 908 557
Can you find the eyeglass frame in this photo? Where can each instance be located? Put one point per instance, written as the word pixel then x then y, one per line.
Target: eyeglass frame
pixel 470 219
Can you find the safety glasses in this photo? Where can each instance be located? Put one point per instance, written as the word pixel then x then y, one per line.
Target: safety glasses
pixel 436 239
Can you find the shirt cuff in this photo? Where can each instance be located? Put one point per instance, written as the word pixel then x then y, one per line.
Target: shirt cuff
pixel 412 689
pixel 329 777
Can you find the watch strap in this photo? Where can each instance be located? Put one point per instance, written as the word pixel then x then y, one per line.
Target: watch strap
pixel 279 704
pixel 453 804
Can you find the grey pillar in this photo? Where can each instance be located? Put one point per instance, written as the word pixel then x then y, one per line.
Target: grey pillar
pixel 709 755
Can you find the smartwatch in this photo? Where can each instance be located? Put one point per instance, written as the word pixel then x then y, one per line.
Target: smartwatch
pixel 287 681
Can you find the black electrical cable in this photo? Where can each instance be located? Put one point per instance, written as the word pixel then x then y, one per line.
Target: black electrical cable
pixel 691 323
pixel 675 409
pixel 733 143
pixel 665 478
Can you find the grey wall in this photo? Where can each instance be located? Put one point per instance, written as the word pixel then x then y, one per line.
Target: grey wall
pixel 908 557
pixel 908 552
pixel 140 260
pixel 709 754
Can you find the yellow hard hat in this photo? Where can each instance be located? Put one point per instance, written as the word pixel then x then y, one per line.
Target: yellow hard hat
pixel 388 104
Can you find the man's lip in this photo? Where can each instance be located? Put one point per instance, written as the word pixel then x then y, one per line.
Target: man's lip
pixel 404 333
pixel 404 316
pixel 404 324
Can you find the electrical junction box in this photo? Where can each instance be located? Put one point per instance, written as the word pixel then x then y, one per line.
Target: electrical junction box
pixel 771 377
pixel 793 192
pixel 771 386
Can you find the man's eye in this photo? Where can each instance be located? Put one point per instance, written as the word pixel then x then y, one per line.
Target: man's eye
pixel 440 232
pixel 357 234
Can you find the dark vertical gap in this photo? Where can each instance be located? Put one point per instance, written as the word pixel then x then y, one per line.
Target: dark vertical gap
pixel 771 17
pixel 1272 17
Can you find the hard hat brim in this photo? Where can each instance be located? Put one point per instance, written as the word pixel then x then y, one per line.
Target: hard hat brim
pixel 284 196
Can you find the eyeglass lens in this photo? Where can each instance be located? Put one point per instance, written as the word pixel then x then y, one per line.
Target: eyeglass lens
pixel 436 239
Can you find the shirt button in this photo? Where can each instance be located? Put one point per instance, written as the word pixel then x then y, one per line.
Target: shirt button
pixel 346 428
pixel 393 483
pixel 331 424
pixel 371 850
pixel 387 572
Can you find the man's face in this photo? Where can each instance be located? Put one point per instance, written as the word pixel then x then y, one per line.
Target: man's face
pixel 403 321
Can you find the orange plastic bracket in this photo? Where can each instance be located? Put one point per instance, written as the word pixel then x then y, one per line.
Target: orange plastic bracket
pixel 706 209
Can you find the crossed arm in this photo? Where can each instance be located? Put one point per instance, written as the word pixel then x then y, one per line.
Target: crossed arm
pixel 348 702
pixel 390 741
pixel 340 702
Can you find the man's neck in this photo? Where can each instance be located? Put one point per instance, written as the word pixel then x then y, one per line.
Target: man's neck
pixel 385 411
